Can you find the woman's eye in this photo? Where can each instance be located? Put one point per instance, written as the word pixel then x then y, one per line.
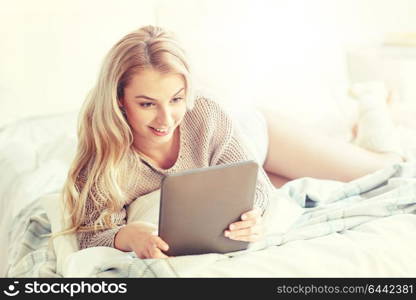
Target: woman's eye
pixel 146 104
pixel 177 99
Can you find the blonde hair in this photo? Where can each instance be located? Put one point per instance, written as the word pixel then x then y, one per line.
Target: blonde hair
pixel 104 136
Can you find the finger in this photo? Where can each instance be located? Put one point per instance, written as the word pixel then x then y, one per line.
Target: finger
pixel 150 247
pixel 247 223
pixel 156 253
pixel 242 224
pixel 161 243
pixel 258 229
pixel 142 254
pixel 149 250
pixel 251 214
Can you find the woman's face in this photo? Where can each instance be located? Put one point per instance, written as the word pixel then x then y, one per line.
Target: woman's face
pixel 155 106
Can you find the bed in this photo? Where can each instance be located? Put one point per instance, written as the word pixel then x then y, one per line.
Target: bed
pixel 316 228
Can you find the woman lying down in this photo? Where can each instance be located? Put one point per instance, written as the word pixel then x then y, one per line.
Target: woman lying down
pixel 142 121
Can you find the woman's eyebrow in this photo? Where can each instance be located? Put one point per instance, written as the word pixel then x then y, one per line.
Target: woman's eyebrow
pixel 149 98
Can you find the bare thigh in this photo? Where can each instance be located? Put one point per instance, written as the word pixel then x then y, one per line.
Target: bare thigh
pixel 296 150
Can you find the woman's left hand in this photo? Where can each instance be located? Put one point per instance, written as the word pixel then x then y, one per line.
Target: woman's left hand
pixel 249 229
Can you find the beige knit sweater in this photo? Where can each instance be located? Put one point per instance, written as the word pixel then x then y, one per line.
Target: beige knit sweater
pixel 208 137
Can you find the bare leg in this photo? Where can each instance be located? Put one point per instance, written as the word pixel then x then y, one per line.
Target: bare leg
pixel 276 180
pixel 296 151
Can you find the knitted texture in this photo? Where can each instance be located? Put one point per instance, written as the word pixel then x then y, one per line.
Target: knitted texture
pixel 208 137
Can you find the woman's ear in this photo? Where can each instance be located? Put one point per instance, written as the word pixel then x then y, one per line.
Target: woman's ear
pixel 122 107
pixel 120 102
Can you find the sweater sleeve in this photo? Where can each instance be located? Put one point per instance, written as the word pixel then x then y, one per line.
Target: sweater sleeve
pixel 229 147
pixel 99 237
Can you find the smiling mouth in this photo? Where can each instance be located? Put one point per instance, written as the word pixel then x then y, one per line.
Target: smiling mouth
pixel 159 132
pixel 160 129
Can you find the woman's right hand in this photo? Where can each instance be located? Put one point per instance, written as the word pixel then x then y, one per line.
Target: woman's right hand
pixel 140 237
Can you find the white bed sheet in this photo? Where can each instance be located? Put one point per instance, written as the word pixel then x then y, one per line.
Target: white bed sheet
pixel 35 154
pixel 335 255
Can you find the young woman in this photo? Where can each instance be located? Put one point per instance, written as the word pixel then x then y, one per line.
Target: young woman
pixel 142 121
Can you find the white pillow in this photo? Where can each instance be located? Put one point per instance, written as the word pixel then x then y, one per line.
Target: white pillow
pixel 64 245
pixel 144 208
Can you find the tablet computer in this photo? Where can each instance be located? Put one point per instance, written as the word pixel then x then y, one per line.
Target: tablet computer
pixel 197 205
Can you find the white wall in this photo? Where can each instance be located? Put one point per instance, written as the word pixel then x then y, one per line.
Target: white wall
pixel 287 54
pixel 51 50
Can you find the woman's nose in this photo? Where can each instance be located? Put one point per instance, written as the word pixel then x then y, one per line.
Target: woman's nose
pixel 164 116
